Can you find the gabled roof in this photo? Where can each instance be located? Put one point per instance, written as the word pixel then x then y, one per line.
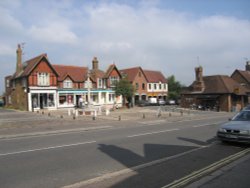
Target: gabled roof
pixel 219 84
pixel 110 69
pixel 76 73
pixel 155 76
pixel 30 64
pixel 244 74
pixel 132 72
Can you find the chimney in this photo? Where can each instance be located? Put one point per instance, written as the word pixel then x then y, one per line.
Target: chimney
pixel 19 58
pixel 95 64
pixel 248 66
pixel 199 83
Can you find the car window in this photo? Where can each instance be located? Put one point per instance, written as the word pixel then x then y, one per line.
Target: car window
pixel 242 116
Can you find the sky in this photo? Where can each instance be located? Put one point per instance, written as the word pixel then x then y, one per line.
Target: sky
pixel 172 36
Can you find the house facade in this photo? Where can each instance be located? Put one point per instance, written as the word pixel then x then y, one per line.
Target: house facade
pixel 147 83
pixel 216 92
pixel 37 84
pixel 139 81
pixel 243 78
pixel 157 86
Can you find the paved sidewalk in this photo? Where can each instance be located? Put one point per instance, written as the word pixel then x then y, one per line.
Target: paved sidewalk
pixel 19 123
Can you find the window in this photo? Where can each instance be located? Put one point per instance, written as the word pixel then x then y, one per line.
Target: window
pixel 143 86
pixel 111 97
pixel 99 83
pixel 88 84
pixel 43 79
pixel 67 83
pixel 149 86
pixel 155 87
pixel 165 86
pixel 24 82
pixel 113 80
pixel 7 83
pixel 136 86
pixel 160 86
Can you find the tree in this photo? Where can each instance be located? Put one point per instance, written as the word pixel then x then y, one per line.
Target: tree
pixel 124 88
pixel 174 88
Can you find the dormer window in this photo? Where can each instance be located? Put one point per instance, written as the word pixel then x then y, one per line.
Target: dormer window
pixel 43 79
pixel 67 83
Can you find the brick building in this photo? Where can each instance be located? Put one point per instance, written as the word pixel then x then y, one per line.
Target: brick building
pixel 147 83
pixel 216 92
pixel 37 84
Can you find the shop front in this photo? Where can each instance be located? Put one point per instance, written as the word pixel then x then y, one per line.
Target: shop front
pixel 41 99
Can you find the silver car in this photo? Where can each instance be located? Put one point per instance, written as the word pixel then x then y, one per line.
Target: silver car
pixel 237 129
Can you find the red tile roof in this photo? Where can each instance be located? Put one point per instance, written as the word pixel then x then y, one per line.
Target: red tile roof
pixel 131 73
pixel 76 73
pixel 155 76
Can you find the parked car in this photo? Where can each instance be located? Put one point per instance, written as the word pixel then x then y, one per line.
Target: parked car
pixel 161 102
pixel 171 102
pixel 237 129
pixel 152 101
pixel 143 103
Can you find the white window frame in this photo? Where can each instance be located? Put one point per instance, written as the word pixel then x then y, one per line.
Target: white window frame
pixel 113 80
pixel 67 83
pixel 43 79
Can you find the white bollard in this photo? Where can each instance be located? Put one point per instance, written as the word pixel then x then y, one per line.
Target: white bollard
pixel 107 112
pixel 76 113
pixel 69 112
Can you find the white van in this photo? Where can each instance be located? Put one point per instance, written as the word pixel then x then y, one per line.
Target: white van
pixel 152 101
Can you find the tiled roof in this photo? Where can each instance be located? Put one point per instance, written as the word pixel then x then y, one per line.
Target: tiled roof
pixel 110 69
pixel 29 65
pixel 219 84
pixel 245 74
pixel 155 76
pixel 131 73
pixel 76 73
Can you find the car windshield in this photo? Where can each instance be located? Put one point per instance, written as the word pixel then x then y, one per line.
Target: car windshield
pixel 242 116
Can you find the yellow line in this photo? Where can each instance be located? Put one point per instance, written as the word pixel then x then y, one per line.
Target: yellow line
pixel 207 170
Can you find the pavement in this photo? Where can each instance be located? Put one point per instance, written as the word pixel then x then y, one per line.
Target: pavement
pixel 15 123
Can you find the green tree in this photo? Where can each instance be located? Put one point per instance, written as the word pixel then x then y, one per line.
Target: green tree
pixel 174 88
pixel 124 88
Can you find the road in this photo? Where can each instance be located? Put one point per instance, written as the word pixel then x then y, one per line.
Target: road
pixel 138 154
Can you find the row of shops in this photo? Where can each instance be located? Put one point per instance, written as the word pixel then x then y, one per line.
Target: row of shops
pixel 56 98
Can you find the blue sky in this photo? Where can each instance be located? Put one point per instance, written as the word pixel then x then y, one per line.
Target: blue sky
pixel 165 35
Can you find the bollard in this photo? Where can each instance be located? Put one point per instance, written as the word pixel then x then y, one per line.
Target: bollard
pixel 49 114
pixel 119 118
pixel 143 116
pixel 61 116
pixel 93 118
pixel 74 117
pixel 42 112
pixel 170 114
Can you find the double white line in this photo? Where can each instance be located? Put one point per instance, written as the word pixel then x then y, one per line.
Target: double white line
pixel 207 170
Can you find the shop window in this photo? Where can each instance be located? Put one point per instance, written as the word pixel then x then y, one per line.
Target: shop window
pixel 34 98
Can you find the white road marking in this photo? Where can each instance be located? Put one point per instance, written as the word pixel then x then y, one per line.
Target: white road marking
pixel 203 125
pixel 157 132
pixel 47 148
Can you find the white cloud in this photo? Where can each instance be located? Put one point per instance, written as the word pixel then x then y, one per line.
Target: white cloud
pixel 53 33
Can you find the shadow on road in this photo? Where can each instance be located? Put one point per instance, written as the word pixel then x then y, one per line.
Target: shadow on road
pixel 131 159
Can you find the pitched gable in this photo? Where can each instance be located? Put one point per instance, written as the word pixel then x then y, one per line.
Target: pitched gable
pixel 110 70
pixel 131 73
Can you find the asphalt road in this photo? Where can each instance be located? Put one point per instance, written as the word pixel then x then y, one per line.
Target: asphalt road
pixel 139 154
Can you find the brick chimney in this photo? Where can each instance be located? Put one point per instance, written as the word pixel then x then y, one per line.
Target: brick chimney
pixel 248 66
pixel 19 59
pixel 199 83
pixel 95 64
